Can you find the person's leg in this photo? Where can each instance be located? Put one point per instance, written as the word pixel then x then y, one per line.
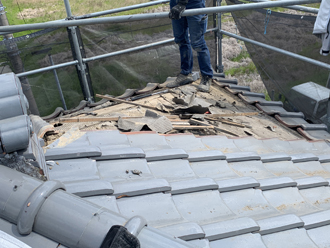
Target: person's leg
pixel 197 28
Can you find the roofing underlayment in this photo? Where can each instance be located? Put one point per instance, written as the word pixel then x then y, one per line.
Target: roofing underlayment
pixel 257 181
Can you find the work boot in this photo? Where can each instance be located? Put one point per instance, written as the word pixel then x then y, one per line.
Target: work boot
pixel 181 80
pixel 205 84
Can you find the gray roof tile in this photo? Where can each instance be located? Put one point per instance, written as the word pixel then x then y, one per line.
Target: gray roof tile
pixel 108 138
pixel 288 201
pixel 271 103
pixel 67 137
pixel 294 238
pixel 314 127
pixel 165 154
pixel 230 228
pixel 284 168
pixel 216 169
pixel 311 182
pixel 193 185
pixel 72 152
pixel 274 157
pixel 251 144
pixel 202 207
pixel 108 153
pixel 276 183
pixel 172 170
pixel 221 143
pixel 121 169
pixel 148 141
pixel 242 156
pixel 158 209
pixel 248 203
pixel 237 184
pixel 74 170
pixel 271 110
pixel 246 240
pixel 319 196
pixel 278 145
pixel 292 114
pixel 314 134
pixel 205 243
pixel 279 223
pixel 185 231
pixel 316 219
pixel 149 236
pixel 89 188
pixel 141 187
pixel 302 146
pixel 303 157
pixel 255 94
pixel 251 99
pixel 206 156
pixel 105 201
pixel 324 158
pixel 321 147
pixel 320 236
pixel 291 121
pixel 314 168
pixel 188 141
pixel 254 169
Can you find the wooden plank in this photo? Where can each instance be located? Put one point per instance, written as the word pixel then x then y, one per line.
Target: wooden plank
pixel 194 121
pixel 127 102
pixel 189 127
pixel 233 114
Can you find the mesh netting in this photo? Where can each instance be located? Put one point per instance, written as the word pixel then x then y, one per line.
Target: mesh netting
pixel 111 75
pixel 288 31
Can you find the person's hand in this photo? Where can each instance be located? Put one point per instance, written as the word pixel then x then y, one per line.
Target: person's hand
pixel 176 11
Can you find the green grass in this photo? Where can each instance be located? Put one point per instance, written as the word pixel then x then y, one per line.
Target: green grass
pixel 249 69
pixel 242 55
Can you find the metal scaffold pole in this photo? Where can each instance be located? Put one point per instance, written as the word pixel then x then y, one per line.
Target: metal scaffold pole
pixel 219 48
pixel 77 46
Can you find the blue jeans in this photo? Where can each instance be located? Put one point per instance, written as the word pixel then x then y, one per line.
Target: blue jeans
pixel 196 26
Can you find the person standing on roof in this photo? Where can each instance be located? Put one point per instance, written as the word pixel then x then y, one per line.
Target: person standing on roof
pixel 196 25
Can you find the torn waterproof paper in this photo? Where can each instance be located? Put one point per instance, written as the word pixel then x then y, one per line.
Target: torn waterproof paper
pixel 159 124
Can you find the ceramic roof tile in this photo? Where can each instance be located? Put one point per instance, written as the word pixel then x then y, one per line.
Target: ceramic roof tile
pixel 303 157
pixel 241 156
pixel 271 110
pixel 108 138
pixel 294 238
pixel 274 157
pixel 206 156
pixel 319 196
pixel 188 141
pixel 251 144
pixel 289 201
pixel 165 154
pixel 149 236
pixel 276 183
pixel 255 94
pixel 278 145
pixel 251 99
pixel 221 143
pixel 237 184
pixel 302 146
pixel 33 239
pixel 105 201
pixel 89 188
pixel 148 141
pixel 172 170
pixel 315 220
pixel 311 182
pixel 69 141
pixel 293 114
pixel 321 147
pixel 254 169
pixel 249 203
pixel 122 169
pixel 202 207
pixel 314 127
pixel 74 170
pixel 158 209
pixel 205 243
pixel 230 228
pixel 279 223
pixel 291 121
pixel 193 185
pixel 185 231
pixel 73 152
pixel 314 134
pixel 141 187
pixel 216 169
pixel 320 236
pixel 246 240
pixel 284 168
pixel 271 103
pixel 324 158
pixel 108 153
pixel 313 168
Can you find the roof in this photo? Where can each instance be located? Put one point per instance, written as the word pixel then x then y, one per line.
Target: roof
pixel 270 189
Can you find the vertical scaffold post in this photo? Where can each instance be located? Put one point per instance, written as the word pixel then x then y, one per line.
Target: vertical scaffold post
pixel 219 48
pixel 77 47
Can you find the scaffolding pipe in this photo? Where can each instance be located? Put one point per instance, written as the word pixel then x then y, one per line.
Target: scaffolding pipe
pixel 295 7
pixel 275 49
pixel 219 43
pixel 140 17
pixel 48 68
